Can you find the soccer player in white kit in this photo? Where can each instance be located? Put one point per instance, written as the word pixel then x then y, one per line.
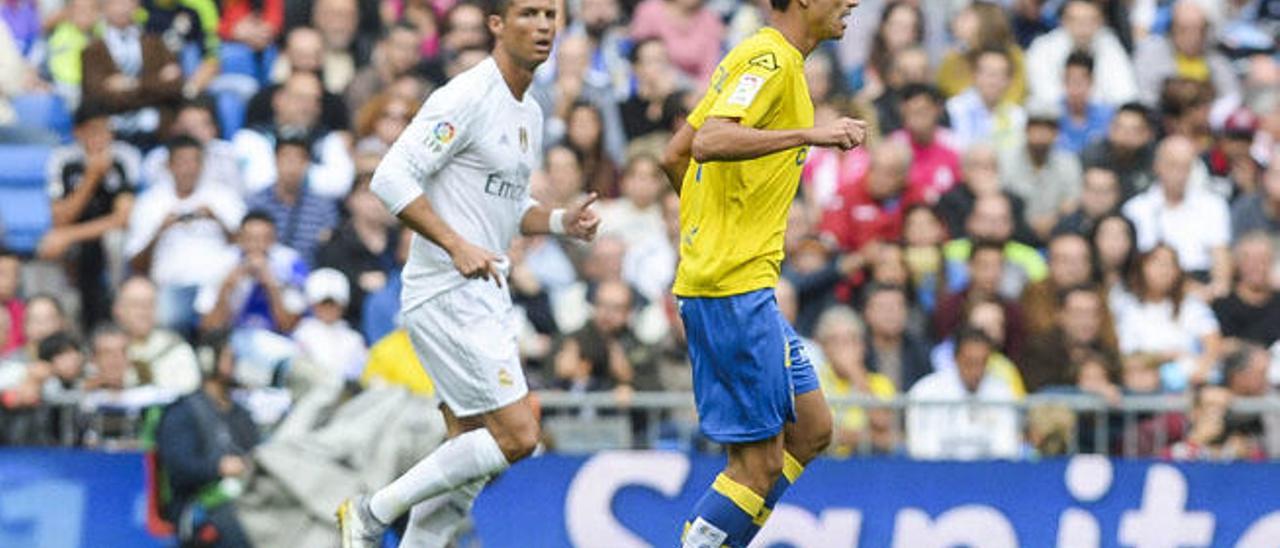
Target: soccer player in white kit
pixel 459 177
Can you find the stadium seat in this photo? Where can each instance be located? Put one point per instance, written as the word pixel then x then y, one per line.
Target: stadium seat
pixel 24 213
pixel 23 166
pixel 240 59
pixel 43 111
pixel 231 113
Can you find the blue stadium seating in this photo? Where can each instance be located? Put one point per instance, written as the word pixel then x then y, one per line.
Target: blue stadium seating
pixel 231 112
pixel 24 201
pixel 26 217
pixel 241 59
pixel 43 111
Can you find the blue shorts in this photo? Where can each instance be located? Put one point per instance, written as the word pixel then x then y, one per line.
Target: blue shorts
pixel 748 365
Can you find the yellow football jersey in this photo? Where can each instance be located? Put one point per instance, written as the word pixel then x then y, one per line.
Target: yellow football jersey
pixel 733 214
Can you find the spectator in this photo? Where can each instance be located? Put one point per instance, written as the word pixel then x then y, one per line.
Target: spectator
pixel 1113 243
pixel 987 315
pixel 1186 53
pixel 380 121
pixel 62 353
pixel 565 87
pixel 296 106
pixel 1082 29
pixel 844 374
pixel 183 25
pixel 992 222
pixel 260 286
pixel 1214 434
pixel 693 34
pixel 12 307
pixel 599 21
pixel 302 219
pixel 398 53
pixel 830 172
pixel 978 423
pixel 203 443
pixel 1093 373
pixel 986 268
pixel 363 249
pixel 337 21
pixel 323 336
pixel 91 185
pixel 1081 331
pixel 1194 223
pixel 650 263
pixel 1050 430
pixel 1259 211
pixel 981 114
pixel 253 23
pixel 1084 120
pixel 1163 321
pixel 66 43
pixel 303 52
pixel 110 370
pixel 901 27
pixel 585 133
pixel 981 25
pixel 935 165
pixel 44 316
pixel 981 167
pixel 909 66
pixel 1184 111
pixel 657 101
pixel 1070 265
pixel 923 234
pixel 1099 197
pixel 1251 312
pixel 637 215
pixel 133 74
pixel 872 211
pixel 178 232
pixel 381 311
pixel 1047 179
pixel 891 350
pixel 196 119
pixel 464 29
pixel 1232 167
pixel 159 356
pixel 1244 372
pixel 1126 150
pixel 605 354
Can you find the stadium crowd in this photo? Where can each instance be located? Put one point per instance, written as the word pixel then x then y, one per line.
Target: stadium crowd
pixel 1078 196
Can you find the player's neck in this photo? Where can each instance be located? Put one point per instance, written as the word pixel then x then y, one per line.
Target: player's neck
pixel 517 76
pixel 795 31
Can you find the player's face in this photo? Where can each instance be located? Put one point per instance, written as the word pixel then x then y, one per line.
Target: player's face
pixel 828 17
pixel 526 30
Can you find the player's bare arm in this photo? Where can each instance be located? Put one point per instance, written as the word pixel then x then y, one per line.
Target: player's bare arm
pixel 726 140
pixel 471 261
pixel 675 158
pixel 576 221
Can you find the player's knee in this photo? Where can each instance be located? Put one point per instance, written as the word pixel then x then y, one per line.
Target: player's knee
pixel 520 441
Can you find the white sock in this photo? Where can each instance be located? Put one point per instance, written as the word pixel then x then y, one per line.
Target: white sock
pixel 434 522
pixel 472 455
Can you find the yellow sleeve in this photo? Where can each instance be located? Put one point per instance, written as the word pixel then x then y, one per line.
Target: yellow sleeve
pixel 746 90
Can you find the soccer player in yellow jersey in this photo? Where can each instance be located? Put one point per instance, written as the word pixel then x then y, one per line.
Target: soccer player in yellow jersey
pixel 756 392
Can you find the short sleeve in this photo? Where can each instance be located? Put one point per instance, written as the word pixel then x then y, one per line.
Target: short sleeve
pixel 437 134
pixel 747 91
pixel 1197 318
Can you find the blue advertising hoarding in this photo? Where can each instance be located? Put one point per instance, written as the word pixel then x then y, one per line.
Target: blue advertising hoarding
pixel 64 499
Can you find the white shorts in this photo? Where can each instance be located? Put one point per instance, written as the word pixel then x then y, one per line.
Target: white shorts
pixel 466 340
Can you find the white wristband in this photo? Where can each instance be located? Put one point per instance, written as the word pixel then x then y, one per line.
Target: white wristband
pixel 556 222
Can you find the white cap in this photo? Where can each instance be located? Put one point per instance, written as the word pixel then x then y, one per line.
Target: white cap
pixel 327 284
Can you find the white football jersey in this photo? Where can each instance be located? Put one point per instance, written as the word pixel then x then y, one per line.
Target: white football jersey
pixel 470 149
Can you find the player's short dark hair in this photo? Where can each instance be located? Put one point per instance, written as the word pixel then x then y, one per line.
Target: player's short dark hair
pixel 970 333
pixel 914 89
pixel 493 7
pixel 89 111
pixel 56 343
pixel 182 141
pixel 779 5
pixel 257 215
pixel 1081 59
